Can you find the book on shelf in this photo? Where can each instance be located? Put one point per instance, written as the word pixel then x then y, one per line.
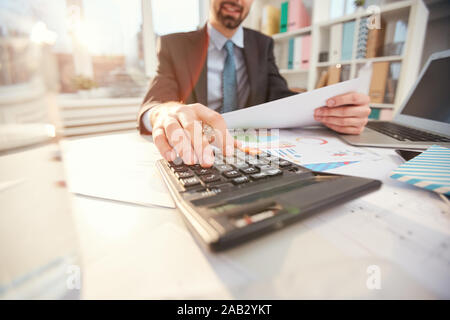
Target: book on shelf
pixel 306 51
pixel 375 41
pixel 298 16
pixel 335 42
pixel 297 52
pixel 334 75
pixel 392 81
pixel 270 20
pixel 374 113
pixel 284 16
pixel 281 54
pixel 378 84
pixel 345 72
pixel 363 32
pixel 348 34
pixel 298 89
pixel 323 79
pixel 395 37
pixel 291 54
pixel 323 56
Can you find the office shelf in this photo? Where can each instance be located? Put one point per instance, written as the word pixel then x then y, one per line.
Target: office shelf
pixel 293 71
pixel 290 34
pixel 413 11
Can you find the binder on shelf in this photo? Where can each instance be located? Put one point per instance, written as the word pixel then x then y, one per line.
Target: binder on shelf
pixel 335 42
pixel 363 33
pixel 348 34
pixel 297 52
pixel 375 41
pixel 270 20
pixel 284 16
pixel 291 54
pixel 334 75
pixel 298 15
pixel 374 113
pixel 281 54
pixel 378 84
pixel 323 79
pixel 306 51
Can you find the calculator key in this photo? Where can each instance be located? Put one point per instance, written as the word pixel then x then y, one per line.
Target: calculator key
pixel 249 170
pixel 258 176
pixel 283 163
pixel 189 182
pixel 231 174
pixel 264 155
pixel 241 165
pixel 203 171
pixel 210 177
pixel 180 168
pixel 264 167
pixel 176 163
pixel 240 180
pixel 257 162
pixel 184 174
pixel 223 167
pixel 273 172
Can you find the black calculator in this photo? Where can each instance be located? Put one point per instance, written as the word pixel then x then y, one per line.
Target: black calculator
pixel 246 195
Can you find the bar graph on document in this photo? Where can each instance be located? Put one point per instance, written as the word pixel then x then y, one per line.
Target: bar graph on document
pixel 288 154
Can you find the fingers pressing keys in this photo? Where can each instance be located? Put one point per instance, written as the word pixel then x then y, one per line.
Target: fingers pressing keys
pixel 228 171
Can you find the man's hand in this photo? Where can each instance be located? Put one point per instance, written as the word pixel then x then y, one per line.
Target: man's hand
pixel 177 129
pixel 347 113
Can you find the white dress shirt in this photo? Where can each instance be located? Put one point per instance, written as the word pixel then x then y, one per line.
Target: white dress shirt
pixel 216 62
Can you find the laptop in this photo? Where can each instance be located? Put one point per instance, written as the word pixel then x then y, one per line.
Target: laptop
pixel 244 196
pixel 423 118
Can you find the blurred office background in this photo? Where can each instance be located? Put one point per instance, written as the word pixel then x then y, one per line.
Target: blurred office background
pixel 85 65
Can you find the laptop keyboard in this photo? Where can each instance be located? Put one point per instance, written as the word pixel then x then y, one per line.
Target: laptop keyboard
pixel 228 173
pixel 403 133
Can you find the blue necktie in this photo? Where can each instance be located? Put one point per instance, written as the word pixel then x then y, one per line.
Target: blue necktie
pixel 229 81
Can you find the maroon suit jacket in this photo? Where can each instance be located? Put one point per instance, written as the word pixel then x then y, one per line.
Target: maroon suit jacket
pixel 182 71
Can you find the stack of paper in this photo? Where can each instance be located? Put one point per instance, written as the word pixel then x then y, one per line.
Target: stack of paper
pixel 429 170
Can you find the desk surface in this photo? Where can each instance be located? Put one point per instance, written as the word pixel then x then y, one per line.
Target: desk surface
pixel 131 251
pixel 400 233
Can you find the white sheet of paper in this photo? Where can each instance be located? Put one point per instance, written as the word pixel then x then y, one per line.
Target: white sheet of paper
pixel 118 167
pixel 298 110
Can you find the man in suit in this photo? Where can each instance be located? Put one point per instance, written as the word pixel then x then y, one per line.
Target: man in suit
pixel 225 67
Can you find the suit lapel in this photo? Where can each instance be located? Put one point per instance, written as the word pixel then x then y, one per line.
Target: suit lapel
pixel 197 64
pixel 252 62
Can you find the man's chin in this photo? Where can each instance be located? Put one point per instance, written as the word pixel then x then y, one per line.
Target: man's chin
pixel 230 23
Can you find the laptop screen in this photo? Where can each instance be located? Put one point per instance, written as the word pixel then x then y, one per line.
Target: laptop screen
pixel 431 97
